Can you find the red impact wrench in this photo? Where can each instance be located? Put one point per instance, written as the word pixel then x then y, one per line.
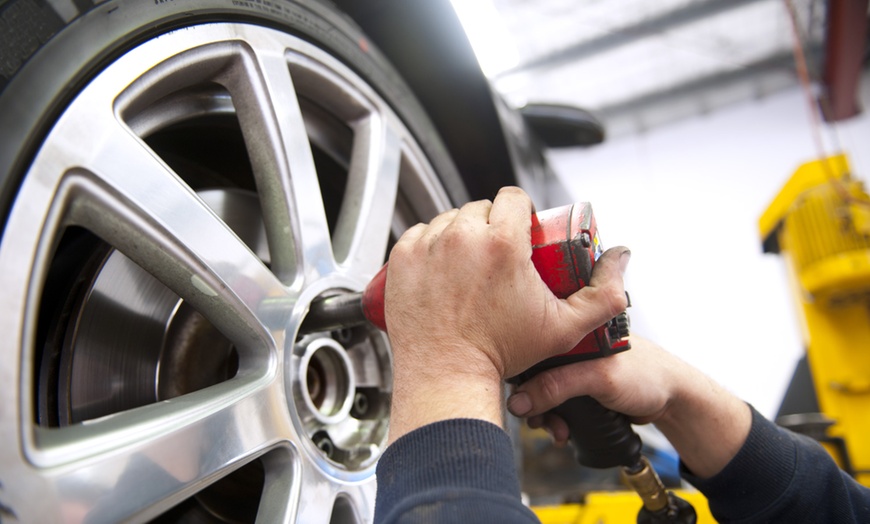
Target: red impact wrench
pixel 565 247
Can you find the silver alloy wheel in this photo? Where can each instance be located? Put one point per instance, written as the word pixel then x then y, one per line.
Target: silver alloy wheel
pixel 107 433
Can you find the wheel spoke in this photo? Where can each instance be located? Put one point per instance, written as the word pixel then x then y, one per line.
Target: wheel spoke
pixel 277 141
pixel 355 503
pixel 134 202
pixel 363 228
pixel 318 495
pixel 280 498
pixel 140 463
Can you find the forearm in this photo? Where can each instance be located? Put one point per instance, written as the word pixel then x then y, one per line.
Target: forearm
pixel 706 424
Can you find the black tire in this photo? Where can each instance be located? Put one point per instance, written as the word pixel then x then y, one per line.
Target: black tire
pixel 97 402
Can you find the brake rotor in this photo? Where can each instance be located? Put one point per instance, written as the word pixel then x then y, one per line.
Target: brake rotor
pixel 133 342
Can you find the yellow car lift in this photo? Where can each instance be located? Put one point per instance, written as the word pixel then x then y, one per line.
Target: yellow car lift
pixel 820 224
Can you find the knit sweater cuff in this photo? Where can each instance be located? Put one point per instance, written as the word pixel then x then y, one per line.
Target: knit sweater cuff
pixel 458 453
pixel 761 472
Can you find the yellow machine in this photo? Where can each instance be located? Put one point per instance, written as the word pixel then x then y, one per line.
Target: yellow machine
pixel 820 223
pixel 613 508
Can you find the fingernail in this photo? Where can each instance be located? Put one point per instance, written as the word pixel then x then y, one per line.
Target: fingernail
pixel 519 404
pixel 623 260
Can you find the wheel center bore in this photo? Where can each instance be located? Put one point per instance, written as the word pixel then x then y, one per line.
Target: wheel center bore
pixel 329 381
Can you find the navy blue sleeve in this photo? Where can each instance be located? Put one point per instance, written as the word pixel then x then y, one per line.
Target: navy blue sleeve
pixel 459 470
pixel 779 476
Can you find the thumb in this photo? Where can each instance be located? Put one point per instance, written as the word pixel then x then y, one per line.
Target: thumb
pixel 604 297
pixel 552 387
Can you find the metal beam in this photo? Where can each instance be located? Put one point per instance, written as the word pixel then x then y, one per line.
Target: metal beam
pixel 665 21
pixel 700 93
pixel 778 62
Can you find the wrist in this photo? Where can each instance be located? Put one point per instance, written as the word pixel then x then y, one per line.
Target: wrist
pixel 706 424
pixel 424 394
pixel 683 396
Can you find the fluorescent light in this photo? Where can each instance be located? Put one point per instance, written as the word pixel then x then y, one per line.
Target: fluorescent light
pixel 489 37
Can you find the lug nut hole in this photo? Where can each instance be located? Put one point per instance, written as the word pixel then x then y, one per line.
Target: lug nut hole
pixel 360 405
pixel 324 444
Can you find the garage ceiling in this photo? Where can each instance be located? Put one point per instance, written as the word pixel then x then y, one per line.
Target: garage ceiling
pixel 638 64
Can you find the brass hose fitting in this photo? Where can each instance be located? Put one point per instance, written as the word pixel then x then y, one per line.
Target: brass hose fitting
pixel 644 480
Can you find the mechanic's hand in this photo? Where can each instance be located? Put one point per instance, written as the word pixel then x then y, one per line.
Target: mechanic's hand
pixel 463 292
pixel 706 424
pixel 466 308
pixel 640 383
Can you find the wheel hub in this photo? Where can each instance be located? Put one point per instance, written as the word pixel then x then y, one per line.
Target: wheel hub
pixel 344 379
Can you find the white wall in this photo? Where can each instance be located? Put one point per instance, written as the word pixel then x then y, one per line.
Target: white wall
pixel 686 199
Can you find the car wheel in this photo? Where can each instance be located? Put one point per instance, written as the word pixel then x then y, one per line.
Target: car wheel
pixel 181 183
